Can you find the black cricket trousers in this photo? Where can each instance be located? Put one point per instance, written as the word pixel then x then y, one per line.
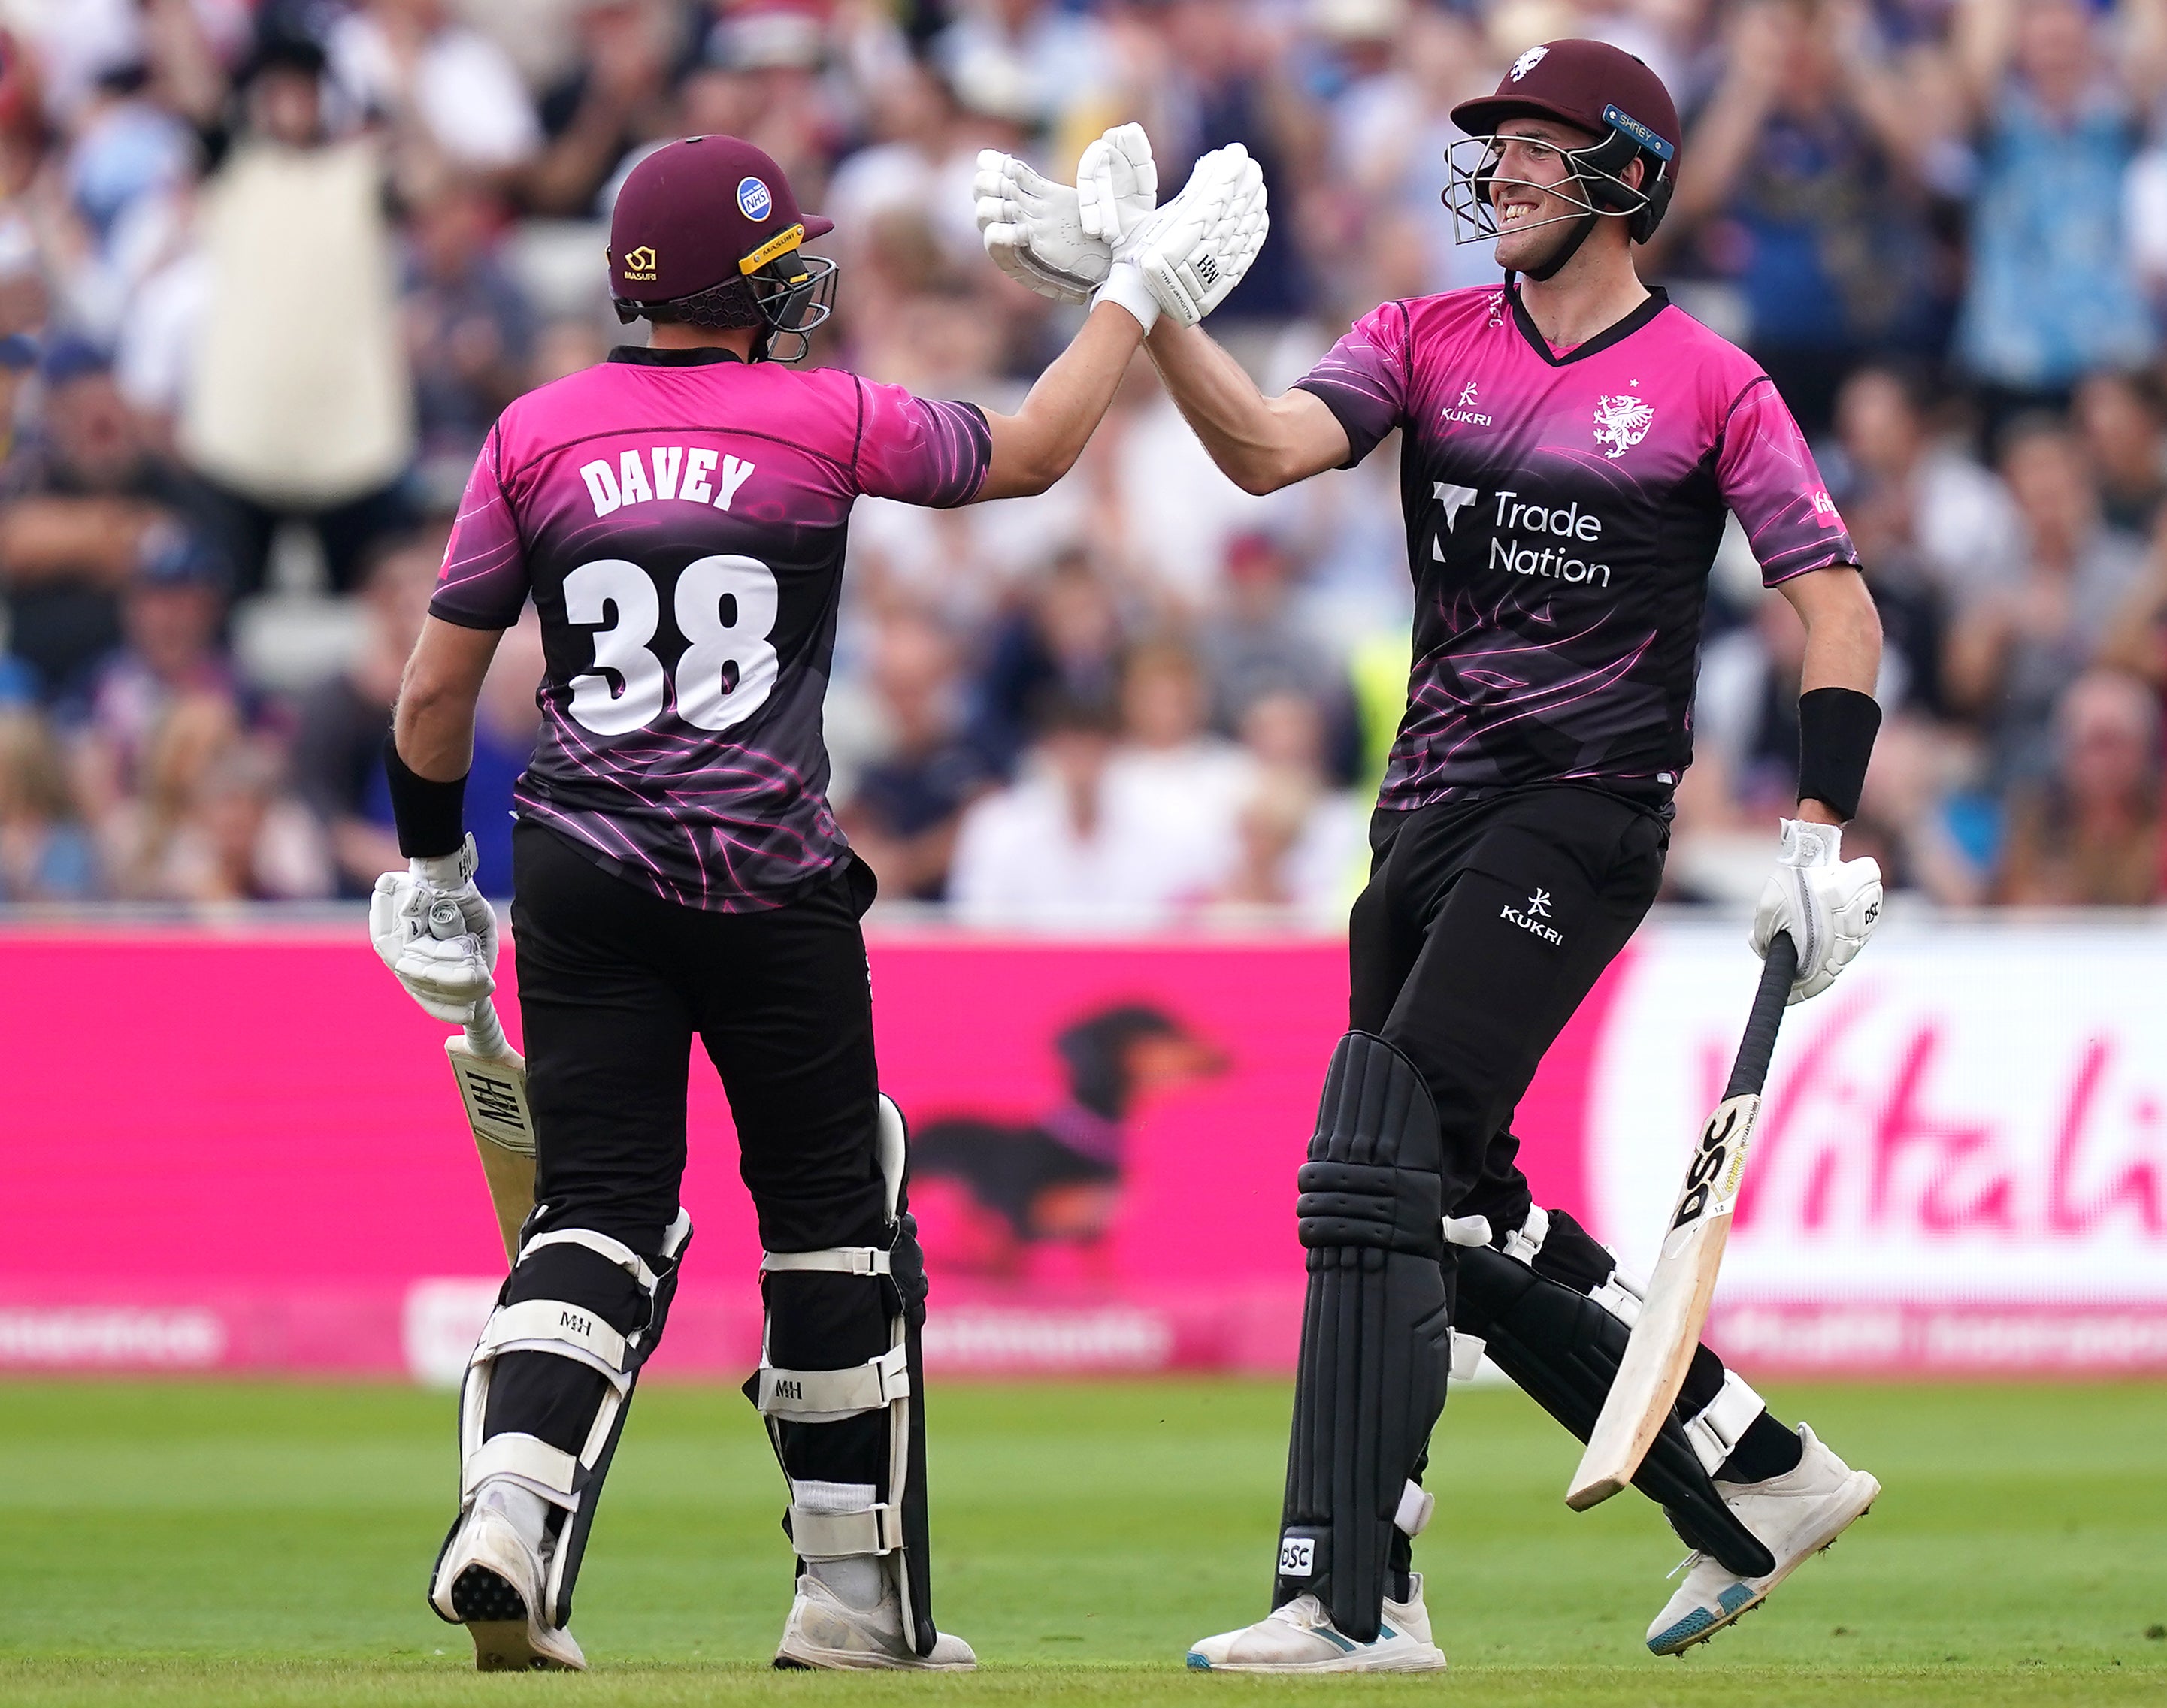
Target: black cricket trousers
pixel 1484 926
pixel 614 982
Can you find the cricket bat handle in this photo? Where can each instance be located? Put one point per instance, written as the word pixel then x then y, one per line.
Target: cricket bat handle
pixel 484 1032
pixel 1749 1068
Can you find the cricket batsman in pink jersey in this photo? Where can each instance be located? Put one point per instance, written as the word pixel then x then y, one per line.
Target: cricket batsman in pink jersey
pixel 677 514
pixel 1569 446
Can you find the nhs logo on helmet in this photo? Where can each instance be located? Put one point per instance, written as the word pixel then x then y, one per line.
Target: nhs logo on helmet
pixel 1548 541
pixel 755 200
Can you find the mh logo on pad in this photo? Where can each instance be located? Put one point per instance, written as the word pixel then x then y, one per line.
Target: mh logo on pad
pixel 754 199
pixel 1297 1556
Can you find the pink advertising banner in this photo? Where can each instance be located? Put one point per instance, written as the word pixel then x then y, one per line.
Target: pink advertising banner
pixel 240 1149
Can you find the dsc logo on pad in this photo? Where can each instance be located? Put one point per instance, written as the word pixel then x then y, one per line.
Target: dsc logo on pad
pixel 1297 1556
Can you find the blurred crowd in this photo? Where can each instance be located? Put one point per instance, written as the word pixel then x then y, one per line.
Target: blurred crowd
pixel 269 268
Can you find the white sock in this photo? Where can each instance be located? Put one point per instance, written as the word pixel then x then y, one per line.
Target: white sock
pixel 857 1579
pixel 525 1510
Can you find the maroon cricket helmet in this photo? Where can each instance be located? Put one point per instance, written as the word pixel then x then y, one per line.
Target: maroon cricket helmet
pixel 1588 84
pixel 1593 86
pixel 698 213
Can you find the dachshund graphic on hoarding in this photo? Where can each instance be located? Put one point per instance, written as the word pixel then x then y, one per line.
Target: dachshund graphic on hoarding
pixel 1057 1179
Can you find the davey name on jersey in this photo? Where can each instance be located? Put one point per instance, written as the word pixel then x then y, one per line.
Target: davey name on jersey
pixel 680 472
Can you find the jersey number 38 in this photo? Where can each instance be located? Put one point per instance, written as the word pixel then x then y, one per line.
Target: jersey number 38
pixel 725 609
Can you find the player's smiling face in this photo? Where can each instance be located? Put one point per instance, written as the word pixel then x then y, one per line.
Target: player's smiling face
pixel 1533 195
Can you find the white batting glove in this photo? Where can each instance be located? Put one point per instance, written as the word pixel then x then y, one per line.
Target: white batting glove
pixel 1116 184
pixel 450 976
pixel 1033 229
pixel 1828 904
pixel 1186 257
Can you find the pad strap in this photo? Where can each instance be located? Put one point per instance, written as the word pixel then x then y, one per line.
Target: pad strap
pixel 1467 1351
pixel 1715 1431
pixel 527 1458
pixel 616 1251
pixel 835 1536
pixel 837 1260
pixel 1416 1505
pixel 552 1325
pixel 1621 1296
pixel 823 1396
pixel 1525 1241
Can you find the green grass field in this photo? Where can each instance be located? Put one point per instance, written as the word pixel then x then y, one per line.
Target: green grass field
pixel 196 1544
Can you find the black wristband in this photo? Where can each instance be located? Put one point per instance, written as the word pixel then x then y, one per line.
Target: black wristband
pixel 430 817
pixel 1837 728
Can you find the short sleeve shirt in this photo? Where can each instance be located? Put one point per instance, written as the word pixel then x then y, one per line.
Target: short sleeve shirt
pixel 1563 509
pixel 679 519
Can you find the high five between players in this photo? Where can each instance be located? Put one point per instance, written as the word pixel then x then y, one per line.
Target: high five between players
pixel 1571 446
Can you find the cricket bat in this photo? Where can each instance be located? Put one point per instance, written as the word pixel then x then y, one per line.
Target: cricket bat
pixel 1668 1328
pixel 492 1080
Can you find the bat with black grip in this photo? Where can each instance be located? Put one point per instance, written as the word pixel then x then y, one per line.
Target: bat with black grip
pixel 1676 1305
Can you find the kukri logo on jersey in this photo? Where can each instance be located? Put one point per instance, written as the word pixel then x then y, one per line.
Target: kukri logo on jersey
pixel 1464 412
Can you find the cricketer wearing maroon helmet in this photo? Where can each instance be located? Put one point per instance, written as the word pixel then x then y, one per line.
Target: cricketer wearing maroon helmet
pixel 677 514
pixel 1571 444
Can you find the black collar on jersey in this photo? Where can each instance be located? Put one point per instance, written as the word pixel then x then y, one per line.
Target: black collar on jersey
pixel 645 355
pixel 1658 300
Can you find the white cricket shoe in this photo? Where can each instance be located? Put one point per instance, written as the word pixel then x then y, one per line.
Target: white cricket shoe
pixel 1795 1515
pixel 825 1632
pixel 1299 1637
pixel 490 1580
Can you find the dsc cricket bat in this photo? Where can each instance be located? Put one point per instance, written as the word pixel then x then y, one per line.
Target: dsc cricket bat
pixel 492 1080
pixel 1668 1328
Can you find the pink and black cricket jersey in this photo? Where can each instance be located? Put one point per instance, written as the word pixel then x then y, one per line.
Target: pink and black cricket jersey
pixel 1563 509
pixel 678 517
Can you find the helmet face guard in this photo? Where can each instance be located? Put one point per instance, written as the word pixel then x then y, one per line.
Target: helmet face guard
pixel 795 294
pixel 1594 185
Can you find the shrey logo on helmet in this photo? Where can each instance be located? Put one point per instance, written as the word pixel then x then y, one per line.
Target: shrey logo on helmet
pixel 1622 422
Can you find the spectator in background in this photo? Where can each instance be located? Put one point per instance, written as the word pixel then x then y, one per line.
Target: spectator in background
pixel 2118 417
pixel 2053 290
pixel 2018 644
pixel 1067 844
pixel 338 743
pixel 1302 845
pixel 1254 643
pixel 46 854
pixel 83 502
pixel 1819 161
pixel 1065 635
pixel 614 100
pixel 1169 757
pixel 172 616
pixel 2089 835
pixel 903 815
pixel 208 824
pixel 1947 508
pixel 470 330
pixel 413 63
pixel 299 402
pixel 1229 82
